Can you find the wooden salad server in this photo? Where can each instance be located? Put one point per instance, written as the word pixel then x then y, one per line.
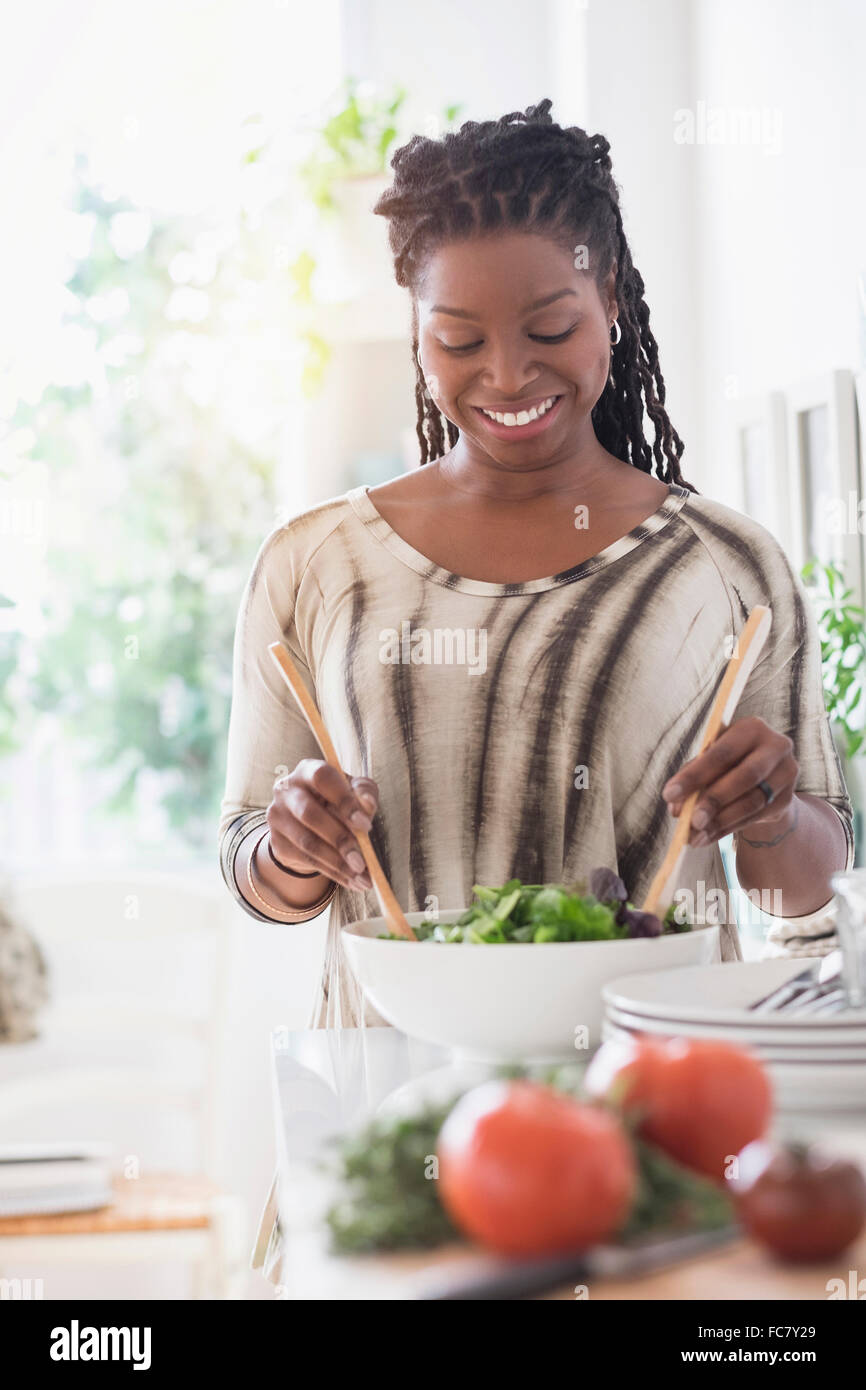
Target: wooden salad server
pixel 737 672
pixel 388 904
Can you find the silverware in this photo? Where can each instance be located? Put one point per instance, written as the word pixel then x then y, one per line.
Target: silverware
pixel 811 987
pixel 500 1279
pixel 824 999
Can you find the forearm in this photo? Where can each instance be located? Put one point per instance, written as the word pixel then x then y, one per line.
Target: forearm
pixel 272 889
pixel 795 856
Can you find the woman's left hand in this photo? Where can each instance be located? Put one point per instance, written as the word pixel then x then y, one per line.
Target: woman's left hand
pixel 727 774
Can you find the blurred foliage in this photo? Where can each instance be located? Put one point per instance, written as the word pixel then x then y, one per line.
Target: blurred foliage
pixel 196 335
pixel 352 142
pixel 843 648
pixel 162 472
pixel 10 647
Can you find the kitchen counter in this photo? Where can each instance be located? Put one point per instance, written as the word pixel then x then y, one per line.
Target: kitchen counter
pixel 327 1082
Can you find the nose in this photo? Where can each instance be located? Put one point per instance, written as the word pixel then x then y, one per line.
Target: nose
pixel 509 368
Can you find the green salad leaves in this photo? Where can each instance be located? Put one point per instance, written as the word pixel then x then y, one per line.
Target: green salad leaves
pixel 535 912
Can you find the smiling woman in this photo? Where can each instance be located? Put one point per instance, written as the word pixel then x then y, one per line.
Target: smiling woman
pixel 525 173
pixel 608 592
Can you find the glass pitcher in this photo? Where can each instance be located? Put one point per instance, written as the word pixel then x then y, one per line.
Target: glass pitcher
pixel 849 885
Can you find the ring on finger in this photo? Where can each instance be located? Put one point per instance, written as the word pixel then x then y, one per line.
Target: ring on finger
pixel 769 794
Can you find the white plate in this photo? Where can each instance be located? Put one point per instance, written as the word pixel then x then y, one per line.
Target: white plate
pixel 851 1041
pixel 798 1086
pixel 718 994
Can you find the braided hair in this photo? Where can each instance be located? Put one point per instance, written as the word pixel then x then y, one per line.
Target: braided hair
pixel 525 172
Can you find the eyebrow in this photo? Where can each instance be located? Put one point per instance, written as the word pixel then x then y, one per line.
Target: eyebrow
pixel 538 304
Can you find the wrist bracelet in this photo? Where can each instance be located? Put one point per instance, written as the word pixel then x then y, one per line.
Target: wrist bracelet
pixel 296 873
pixel 291 914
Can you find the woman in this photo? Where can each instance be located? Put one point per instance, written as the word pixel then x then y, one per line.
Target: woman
pixel 516 646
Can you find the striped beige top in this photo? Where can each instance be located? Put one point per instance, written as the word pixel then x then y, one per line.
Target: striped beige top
pixel 515 730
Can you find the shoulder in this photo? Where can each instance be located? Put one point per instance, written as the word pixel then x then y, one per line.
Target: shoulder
pixel 738 542
pixel 754 567
pixel 291 545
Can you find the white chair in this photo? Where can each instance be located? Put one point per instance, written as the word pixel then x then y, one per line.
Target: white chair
pixel 124 928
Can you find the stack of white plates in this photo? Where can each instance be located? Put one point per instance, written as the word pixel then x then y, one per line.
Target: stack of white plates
pixel 815 1062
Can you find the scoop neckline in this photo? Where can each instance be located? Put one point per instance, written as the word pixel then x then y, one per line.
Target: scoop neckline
pixel 365 509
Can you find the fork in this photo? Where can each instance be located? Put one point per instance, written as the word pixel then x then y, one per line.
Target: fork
pixel 815 990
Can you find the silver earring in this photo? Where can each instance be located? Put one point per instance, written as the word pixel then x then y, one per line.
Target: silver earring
pixel 615 324
pixel 418 356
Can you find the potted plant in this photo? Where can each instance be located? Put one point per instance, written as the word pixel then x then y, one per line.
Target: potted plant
pixel 342 176
pixel 353 143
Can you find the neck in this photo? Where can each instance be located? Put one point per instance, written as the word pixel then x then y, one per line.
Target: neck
pixel 585 469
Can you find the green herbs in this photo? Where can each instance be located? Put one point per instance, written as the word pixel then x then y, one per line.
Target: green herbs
pixel 672 1198
pixel 389 1193
pixel 387 1173
pixel 523 913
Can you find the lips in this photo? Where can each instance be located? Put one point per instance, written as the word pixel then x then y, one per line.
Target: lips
pixel 519 432
pixel 515 407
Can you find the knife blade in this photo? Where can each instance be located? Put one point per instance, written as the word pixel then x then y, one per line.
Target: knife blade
pixel 516 1279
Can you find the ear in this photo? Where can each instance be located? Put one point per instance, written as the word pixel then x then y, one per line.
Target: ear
pixel 609 293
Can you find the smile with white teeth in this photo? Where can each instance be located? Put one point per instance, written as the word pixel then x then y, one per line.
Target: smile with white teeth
pixel 523 417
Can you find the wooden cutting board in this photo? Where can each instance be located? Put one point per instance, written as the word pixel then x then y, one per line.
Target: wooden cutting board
pixel 741 1270
pixel 736 1271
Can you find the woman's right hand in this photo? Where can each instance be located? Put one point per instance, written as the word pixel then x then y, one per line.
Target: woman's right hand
pixel 313 817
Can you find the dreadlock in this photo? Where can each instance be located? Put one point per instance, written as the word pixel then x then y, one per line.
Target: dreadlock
pixel 526 172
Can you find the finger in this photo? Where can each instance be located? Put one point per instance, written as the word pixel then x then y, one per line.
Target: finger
pixel 333 788
pixel 301 803
pixel 367 793
pixel 753 806
pixel 724 752
pixel 770 762
pixel 766 815
pixel 291 840
pixel 750 809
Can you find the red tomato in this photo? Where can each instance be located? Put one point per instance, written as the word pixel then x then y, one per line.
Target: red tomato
pixel 698 1099
pixel 799 1203
pixel 528 1171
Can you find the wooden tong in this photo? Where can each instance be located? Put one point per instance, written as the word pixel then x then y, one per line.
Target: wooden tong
pixel 737 672
pixel 388 904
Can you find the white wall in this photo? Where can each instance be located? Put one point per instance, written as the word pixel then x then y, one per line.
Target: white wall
pixel 781 238
pixel 637 68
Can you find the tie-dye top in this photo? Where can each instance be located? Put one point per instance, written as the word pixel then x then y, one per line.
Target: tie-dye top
pixel 517 730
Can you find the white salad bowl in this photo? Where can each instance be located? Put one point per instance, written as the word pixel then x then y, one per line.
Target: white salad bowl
pixel 509 1002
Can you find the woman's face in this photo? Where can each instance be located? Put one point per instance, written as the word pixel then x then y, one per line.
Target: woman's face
pixel 506 323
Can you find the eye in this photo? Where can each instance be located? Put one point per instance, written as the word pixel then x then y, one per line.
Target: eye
pixel 538 337
pixel 557 338
pixel 463 347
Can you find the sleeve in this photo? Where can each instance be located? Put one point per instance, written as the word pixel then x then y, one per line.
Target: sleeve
pixel 786 689
pixel 267 732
